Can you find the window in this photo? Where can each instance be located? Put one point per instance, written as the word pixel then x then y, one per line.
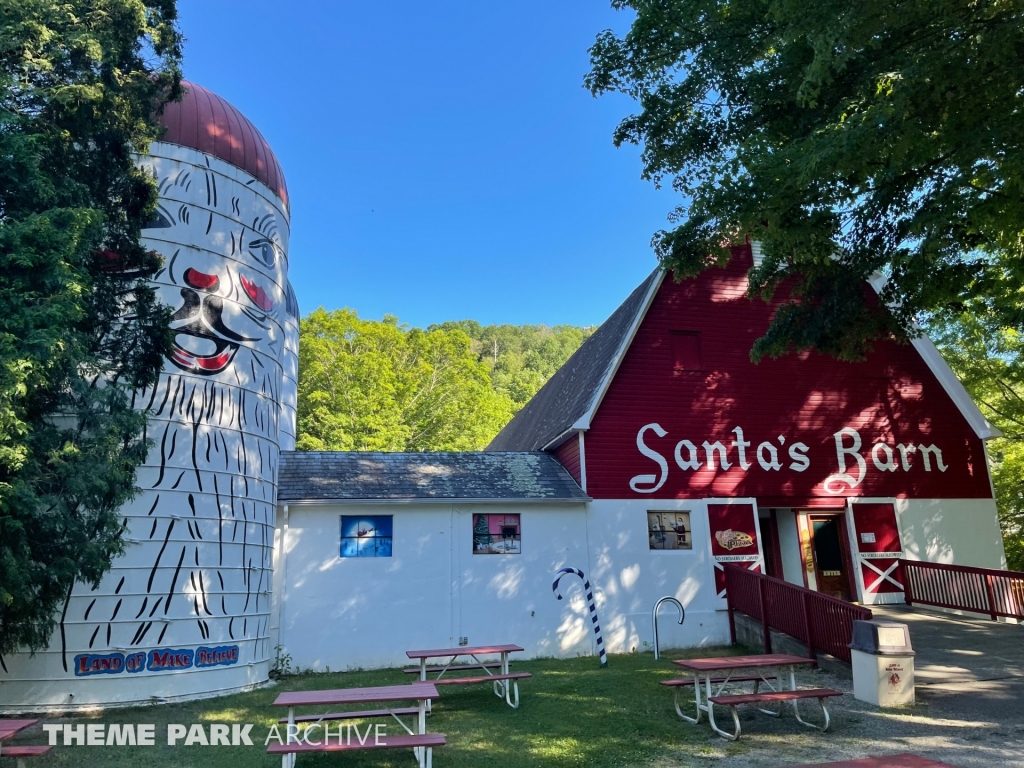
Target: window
pixel 686 351
pixel 496 535
pixel 366 536
pixel 669 530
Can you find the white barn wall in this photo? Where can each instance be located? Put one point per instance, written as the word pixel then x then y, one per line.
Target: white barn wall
pixel 344 613
pixel 954 531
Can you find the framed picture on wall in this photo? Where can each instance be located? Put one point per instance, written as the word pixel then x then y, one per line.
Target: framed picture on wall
pixel 366 536
pixel 497 535
pixel 669 530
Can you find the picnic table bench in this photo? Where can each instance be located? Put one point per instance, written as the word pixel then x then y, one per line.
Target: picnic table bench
pixel 9 728
pixel 505 683
pixel 416 737
pixel 768 668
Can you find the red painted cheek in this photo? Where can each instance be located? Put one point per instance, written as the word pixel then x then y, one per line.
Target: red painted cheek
pixel 201 280
pixel 257 294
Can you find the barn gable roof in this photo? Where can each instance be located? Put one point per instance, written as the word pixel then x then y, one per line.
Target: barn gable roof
pixel 364 476
pixel 567 401
pixel 566 404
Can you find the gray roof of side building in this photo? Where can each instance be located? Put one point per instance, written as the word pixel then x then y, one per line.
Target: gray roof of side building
pixel 354 476
pixel 569 394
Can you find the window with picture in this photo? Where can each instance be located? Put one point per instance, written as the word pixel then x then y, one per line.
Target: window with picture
pixel 366 536
pixel 496 535
pixel 669 530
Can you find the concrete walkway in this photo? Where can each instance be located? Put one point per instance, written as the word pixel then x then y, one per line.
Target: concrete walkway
pixel 959 648
pixel 965 667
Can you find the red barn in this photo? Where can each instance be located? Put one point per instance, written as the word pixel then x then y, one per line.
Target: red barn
pixel 818 471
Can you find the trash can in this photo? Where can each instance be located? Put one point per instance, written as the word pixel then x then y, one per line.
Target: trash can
pixel 883 663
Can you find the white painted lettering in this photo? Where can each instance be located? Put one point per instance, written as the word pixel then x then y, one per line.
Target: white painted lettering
pixel 654 456
pixel 710 449
pixel 741 446
pixel 768 464
pixel 692 462
pixel 74 733
pixel 798 454
pixel 927 451
pixel 175 731
pixel 377 733
pixel 94 734
pixel 889 464
pixel 273 733
pixel 831 484
pixel 905 451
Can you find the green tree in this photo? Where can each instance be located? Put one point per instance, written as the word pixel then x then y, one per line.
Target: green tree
pixel 521 358
pixel 989 359
pixel 849 138
pixel 366 385
pixel 79 328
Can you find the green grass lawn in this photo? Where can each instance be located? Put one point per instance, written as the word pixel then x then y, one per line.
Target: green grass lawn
pixel 572 713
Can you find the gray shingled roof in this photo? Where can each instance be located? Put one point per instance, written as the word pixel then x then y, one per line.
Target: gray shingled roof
pixel 567 396
pixel 355 475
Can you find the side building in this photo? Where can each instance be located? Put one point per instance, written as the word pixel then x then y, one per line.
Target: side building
pixel 683 456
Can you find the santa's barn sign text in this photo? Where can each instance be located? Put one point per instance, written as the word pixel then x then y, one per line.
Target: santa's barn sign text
pixel 852 462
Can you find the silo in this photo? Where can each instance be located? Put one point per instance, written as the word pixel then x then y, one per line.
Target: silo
pixel 185 611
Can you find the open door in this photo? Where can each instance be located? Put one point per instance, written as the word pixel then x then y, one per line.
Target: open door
pixel 875 531
pixel 830 555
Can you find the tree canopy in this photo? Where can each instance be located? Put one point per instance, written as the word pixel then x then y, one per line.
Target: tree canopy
pixel 989 359
pixel 521 358
pixel 367 385
pixel 847 138
pixel 80 82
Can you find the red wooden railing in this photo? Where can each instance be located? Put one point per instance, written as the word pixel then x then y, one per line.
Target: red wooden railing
pixel 981 590
pixel 821 622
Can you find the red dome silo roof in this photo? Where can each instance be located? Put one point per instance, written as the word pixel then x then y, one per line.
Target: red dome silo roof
pixel 204 121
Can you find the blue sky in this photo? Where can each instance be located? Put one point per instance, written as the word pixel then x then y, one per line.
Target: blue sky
pixel 443 159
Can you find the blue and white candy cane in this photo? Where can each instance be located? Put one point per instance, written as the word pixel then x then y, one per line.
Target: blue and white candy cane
pixel 593 608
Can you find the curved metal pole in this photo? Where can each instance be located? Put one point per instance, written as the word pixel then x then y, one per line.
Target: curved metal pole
pixel 654 618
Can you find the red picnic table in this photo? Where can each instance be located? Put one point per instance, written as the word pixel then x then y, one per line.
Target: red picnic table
pixel 422 743
pixel 766 667
pixel 504 682
pixel 10 727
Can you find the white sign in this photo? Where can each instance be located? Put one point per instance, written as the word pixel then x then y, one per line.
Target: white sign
pixel 867 538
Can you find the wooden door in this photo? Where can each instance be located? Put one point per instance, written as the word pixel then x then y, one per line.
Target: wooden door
pixel 831 561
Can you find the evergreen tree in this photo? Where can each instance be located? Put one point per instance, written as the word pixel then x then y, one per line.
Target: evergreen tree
pixel 80 330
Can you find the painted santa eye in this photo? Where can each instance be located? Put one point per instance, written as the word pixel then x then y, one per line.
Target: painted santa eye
pixel 264 250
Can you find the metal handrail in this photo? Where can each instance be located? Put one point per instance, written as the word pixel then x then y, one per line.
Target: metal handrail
pixel 654 618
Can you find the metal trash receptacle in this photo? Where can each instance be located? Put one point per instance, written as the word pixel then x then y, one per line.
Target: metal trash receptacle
pixel 883 663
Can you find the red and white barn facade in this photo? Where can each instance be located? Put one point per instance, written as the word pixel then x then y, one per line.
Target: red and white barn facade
pixel 827 471
pixel 686 456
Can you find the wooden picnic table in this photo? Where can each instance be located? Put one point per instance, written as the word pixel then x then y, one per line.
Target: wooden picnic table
pixel 9 728
pixel 504 682
pixel 417 737
pixel 767 667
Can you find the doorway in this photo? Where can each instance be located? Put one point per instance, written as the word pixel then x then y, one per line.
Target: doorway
pixel 830 555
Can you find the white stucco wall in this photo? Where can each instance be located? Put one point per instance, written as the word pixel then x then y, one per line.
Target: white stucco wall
pixel 957 531
pixel 343 613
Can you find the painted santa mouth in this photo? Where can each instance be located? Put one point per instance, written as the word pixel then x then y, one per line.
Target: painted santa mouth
pixel 189 346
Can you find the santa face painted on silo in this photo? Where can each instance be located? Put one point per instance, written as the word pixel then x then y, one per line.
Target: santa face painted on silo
pixel 186 610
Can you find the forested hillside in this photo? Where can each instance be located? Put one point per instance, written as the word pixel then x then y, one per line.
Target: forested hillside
pixel 368 385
